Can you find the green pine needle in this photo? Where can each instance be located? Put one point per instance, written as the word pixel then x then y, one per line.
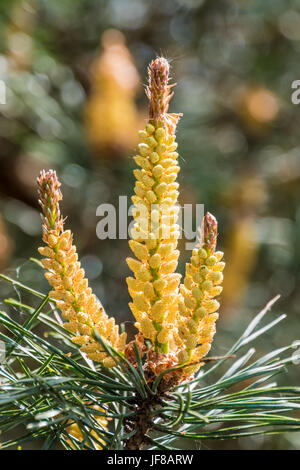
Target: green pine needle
pixel 46 385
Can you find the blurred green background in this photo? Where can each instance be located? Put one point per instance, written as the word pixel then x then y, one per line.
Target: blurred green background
pixel 75 72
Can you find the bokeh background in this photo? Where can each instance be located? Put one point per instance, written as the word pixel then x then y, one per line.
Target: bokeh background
pixel 75 73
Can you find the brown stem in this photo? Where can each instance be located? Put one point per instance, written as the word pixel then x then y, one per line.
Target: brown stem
pixel 142 421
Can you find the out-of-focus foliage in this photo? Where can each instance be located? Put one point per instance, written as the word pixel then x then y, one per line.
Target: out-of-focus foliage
pixel 114 81
pixel 234 61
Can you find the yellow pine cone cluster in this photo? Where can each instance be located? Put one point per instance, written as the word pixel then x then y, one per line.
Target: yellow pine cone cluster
pixel 71 291
pixel 181 323
pixel 75 432
pixel 198 307
pixel 178 320
pixel 154 287
pixel 114 83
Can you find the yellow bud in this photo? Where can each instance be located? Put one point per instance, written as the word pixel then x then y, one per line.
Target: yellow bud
pixel 200 313
pixel 195 261
pixel 136 199
pixel 219 266
pixel 183 290
pixel 188 282
pixel 211 260
pixel 52 240
pixel 151 141
pixel 183 357
pixel 160 133
pixel 212 318
pixel 190 302
pixel 206 334
pixel 201 351
pixel 57 294
pixel 60 255
pixel 197 293
pixel 183 331
pixel 90 348
pixel 161 149
pixel 157 310
pixel 139 191
pixel 169 268
pixel 173 155
pixel 157 171
pixel 165 249
pixel 173 282
pixel 192 325
pixel 143 274
pixel 150 129
pixel 215 291
pixel 134 284
pixel 147 328
pixel 155 261
pixel 133 264
pixel 204 270
pixel 202 253
pixel 139 250
pixel 163 336
pixel 64 244
pixel 108 362
pixel 172 169
pixel 154 157
pixel 197 278
pixel 68 282
pixel 82 317
pixel 140 303
pixel 183 310
pixel 71 269
pixel 148 182
pixel 46 251
pixel 144 150
pixel 189 269
pixel 207 285
pixel 191 342
pixel 69 297
pixel 82 286
pixel 142 135
pixel 219 255
pixel 161 188
pixel 142 162
pixel 169 178
pixel 71 326
pixel 149 290
pixel 80 340
pixel 138 174
pixel 171 139
pixel 155 216
pixel 160 284
pixel 212 306
pixel 79 275
pixel 151 242
pixel 150 195
pixel 172 147
pixel 53 279
pixel 216 277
